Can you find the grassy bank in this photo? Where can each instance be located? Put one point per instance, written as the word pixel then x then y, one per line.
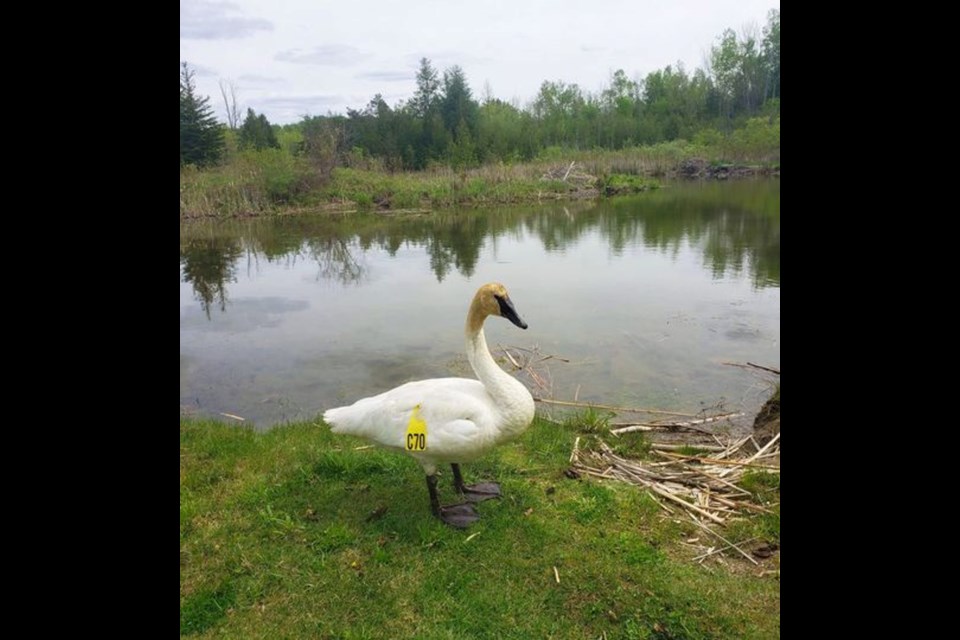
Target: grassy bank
pixel 297 533
pixel 274 181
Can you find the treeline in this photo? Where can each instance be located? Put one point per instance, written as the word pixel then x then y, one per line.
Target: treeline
pixel 445 123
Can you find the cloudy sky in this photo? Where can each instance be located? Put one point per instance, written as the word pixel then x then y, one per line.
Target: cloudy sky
pixel 290 58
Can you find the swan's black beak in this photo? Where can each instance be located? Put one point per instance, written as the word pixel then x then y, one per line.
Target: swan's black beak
pixel 508 311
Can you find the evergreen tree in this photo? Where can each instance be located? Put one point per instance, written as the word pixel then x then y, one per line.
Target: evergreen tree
pixel 428 84
pixel 201 136
pixel 457 106
pixel 256 132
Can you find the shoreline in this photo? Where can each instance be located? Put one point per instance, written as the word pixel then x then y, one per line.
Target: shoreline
pixel 350 190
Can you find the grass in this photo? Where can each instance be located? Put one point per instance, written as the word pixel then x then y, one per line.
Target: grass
pixel 250 183
pixel 277 540
pixel 440 187
pixel 274 181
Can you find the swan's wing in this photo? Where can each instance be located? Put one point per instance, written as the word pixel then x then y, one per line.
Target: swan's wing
pixel 456 411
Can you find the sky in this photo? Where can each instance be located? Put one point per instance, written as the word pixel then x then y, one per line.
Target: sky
pixel 290 58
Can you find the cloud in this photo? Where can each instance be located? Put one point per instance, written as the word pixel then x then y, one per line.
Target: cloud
pixel 301 101
pixel 446 58
pixel 292 108
pixel 253 78
pixel 212 20
pixel 202 71
pixel 387 76
pixel 325 54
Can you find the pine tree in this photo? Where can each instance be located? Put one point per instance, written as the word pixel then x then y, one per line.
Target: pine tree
pixel 201 136
pixel 428 85
pixel 457 105
pixel 256 132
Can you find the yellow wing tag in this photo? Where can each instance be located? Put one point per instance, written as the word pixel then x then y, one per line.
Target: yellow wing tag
pixel 416 431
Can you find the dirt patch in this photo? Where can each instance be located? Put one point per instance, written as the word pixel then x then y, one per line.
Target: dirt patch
pixel 700 169
pixel 767 423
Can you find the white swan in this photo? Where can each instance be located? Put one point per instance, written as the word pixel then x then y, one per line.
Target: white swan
pixel 449 420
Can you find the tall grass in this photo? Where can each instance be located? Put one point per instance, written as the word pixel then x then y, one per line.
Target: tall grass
pixel 251 182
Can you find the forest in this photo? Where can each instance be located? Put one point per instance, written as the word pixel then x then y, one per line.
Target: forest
pixel 730 107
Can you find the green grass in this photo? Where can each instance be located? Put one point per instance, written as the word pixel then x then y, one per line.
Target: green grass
pixel 277 540
pixel 619 184
pixel 250 183
pixel 441 187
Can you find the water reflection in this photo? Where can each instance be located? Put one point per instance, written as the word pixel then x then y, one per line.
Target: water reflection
pixel 209 263
pixel 735 226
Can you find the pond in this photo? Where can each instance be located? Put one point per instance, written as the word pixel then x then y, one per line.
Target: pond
pixel 640 301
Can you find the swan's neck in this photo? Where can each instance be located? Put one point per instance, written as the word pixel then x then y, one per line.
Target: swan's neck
pixel 496 380
pixel 510 397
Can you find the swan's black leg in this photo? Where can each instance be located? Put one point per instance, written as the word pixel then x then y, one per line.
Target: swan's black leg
pixel 474 492
pixel 434 499
pixel 460 516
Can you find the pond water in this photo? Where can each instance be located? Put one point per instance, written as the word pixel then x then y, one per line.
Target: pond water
pixel 645 296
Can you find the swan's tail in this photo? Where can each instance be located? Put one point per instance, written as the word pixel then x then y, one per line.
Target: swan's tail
pixel 337 419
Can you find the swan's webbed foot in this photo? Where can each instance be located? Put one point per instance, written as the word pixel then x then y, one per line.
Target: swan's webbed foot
pixel 480 491
pixel 474 492
pixel 460 516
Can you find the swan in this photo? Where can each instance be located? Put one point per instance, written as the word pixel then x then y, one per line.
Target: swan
pixel 449 420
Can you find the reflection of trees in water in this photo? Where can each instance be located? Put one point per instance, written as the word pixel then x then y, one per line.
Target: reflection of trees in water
pixel 735 242
pixel 451 240
pixel 737 226
pixel 208 264
pixel 336 260
pixel 456 244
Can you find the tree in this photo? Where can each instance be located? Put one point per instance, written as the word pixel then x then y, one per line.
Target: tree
pixel 558 107
pixel 771 54
pixel 725 65
pixel 502 132
pixel 256 132
pixel 323 141
pixel 428 84
pixel 201 136
pixel 621 107
pixel 228 91
pixel 746 71
pixel 457 104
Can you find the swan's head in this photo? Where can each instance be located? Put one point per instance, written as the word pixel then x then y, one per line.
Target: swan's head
pixel 493 300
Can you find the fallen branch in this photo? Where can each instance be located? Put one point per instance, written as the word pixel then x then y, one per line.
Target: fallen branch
pixel 704 556
pixel 750 460
pixel 607 407
pixel 750 365
pixel 510 358
pixel 663 446
pixel 669 496
pixel 689 424
pixel 730 544
pixel 732 463
pixel 535 352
